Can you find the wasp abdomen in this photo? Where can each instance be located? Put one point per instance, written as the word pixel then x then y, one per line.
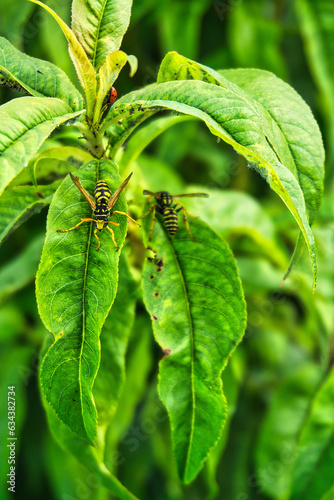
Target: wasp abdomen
pixel 171 220
pixel 102 193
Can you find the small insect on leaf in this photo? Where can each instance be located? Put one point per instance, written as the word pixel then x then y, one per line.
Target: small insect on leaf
pixel 164 205
pixel 102 207
pixel 113 95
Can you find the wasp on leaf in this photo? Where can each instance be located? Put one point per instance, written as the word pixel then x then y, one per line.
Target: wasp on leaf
pixel 166 205
pixel 101 206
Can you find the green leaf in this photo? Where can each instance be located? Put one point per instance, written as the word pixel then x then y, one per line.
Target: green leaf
pixel 38 78
pixel 99 25
pixel 21 270
pixel 301 149
pixel 133 63
pixel 25 124
pixel 20 203
pixel 75 288
pixel 231 115
pixel 84 69
pixel 193 293
pixel 110 379
pixel 312 475
pixel 87 455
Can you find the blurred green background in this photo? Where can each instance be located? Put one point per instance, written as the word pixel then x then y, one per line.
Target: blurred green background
pixel 287 351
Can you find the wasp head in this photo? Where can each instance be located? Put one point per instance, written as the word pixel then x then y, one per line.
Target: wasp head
pixel 164 198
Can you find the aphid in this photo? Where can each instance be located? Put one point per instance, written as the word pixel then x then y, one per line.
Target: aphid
pixel 113 95
pixel 101 206
pixel 164 205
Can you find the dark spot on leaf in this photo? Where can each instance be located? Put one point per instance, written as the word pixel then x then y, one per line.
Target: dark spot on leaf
pixel 132 111
pixel 160 262
pixel 39 194
pixel 166 352
pixel 157 294
pixel 73 399
pixel 119 122
pixel 233 342
pixel 151 277
pixel 154 317
pixel 38 71
pixel 159 270
pixel 149 259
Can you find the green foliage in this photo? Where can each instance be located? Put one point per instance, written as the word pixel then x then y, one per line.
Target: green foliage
pixel 198 322
pixel 198 408
pixel 70 262
pixel 36 77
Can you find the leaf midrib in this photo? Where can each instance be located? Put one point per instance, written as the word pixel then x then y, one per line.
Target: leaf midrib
pixel 98 29
pixel 175 255
pixel 84 313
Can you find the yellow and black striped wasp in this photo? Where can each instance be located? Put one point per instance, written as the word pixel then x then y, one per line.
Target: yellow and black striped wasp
pixel 164 206
pixel 101 206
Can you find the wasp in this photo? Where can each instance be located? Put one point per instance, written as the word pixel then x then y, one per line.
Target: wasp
pixel 167 206
pixel 101 206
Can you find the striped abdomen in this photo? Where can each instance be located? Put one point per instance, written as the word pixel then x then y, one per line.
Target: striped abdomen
pixel 171 220
pixel 102 193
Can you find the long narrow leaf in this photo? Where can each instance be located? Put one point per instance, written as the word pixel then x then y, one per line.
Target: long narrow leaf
pixel 193 293
pixel 84 69
pixel 75 287
pixel 99 26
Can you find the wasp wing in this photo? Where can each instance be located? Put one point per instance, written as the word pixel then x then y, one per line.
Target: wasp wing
pixel 116 194
pixel 203 195
pixel 88 197
pixel 146 192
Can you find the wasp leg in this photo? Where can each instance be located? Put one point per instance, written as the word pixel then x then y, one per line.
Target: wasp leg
pixel 185 218
pixel 153 221
pixel 71 229
pixel 152 207
pixel 182 207
pixel 96 236
pixel 123 213
pixel 146 213
pixel 113 236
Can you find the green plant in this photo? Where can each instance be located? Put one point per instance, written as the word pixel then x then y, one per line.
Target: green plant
pixel 190 287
